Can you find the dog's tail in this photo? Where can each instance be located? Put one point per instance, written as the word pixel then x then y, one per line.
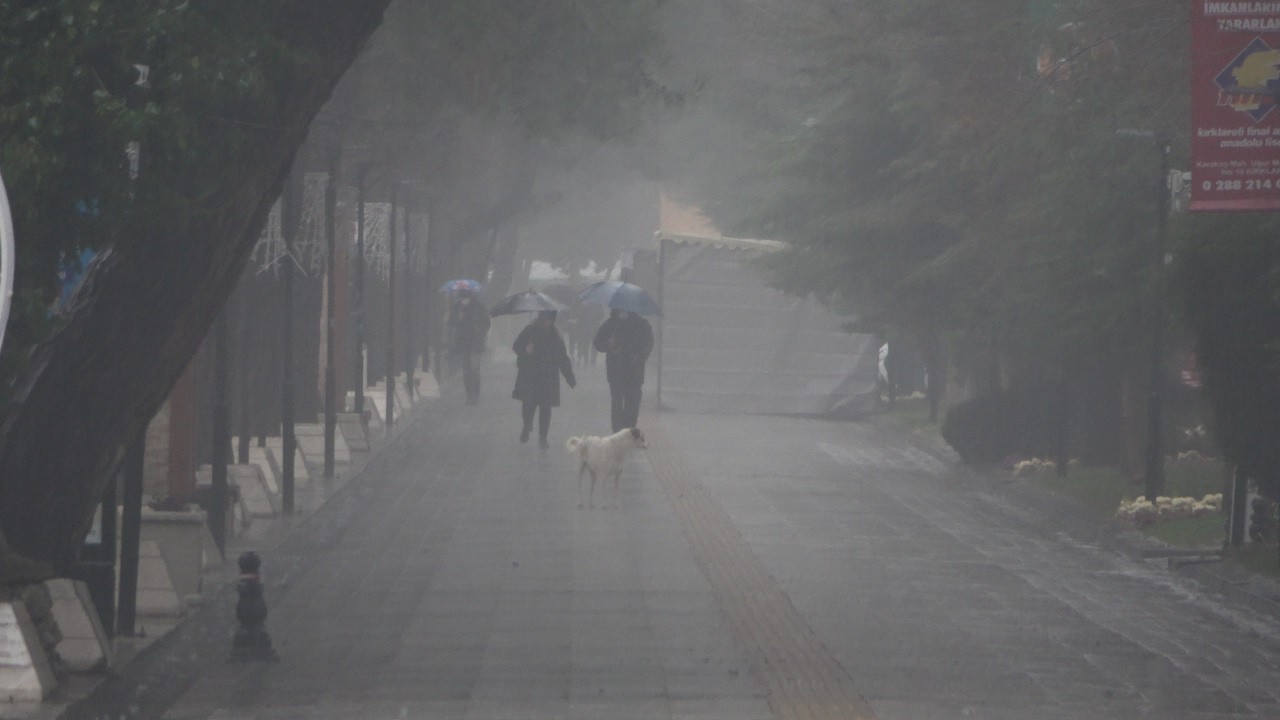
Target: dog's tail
pixel 572 444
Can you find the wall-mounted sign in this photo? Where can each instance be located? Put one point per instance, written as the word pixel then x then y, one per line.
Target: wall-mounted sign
pixel 1235 134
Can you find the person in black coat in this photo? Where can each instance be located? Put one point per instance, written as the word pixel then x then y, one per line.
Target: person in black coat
pixel 468 324
pixel 541 359
pixel 626 341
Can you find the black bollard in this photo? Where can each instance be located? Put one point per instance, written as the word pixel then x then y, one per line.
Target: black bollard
pixel 251 641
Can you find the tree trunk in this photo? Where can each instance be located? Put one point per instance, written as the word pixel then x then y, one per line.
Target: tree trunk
pixel 144 309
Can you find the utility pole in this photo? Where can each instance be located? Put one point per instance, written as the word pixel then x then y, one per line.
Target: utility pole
pixel 130 536
pixel 409 258
pixel 221 435
pixel 391 310
pixel 331 323
pixel 359 299
pixel 289 213
pixel 1154 482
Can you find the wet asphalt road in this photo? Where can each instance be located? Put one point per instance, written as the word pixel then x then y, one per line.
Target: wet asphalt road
pixel 748 567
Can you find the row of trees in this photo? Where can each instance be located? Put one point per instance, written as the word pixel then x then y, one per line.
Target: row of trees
pixel 954 174
pixel 458 95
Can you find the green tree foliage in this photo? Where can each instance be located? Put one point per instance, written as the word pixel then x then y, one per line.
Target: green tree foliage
pixel 72 105
pixel 476 96
pixel 1230 275
pixel 954 170
pixel 233 86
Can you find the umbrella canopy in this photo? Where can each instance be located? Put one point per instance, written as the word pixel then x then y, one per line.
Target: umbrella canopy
pixel 530 301
pixel 454 286
pixel 620 296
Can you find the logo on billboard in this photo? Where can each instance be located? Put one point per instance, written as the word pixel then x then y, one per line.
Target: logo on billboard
pixel 1250 82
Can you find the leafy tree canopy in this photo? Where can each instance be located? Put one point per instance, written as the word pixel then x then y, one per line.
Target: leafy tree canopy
pixel 947 166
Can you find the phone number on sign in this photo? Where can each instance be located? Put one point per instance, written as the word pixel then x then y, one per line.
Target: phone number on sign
pixel 1228 185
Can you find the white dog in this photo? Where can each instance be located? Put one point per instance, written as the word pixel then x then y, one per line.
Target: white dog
pixel 604 455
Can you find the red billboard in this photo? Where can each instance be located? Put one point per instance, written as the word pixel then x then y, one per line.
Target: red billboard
pixel 1235 133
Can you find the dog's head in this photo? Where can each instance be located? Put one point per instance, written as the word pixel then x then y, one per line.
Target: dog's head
pixel 637 439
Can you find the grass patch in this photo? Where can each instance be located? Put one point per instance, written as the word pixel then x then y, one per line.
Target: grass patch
pixel 1101 490
pixel 913 414
pixel 1205 531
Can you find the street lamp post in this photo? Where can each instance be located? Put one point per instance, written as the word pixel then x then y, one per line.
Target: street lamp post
pixel 290 213
pixel 391 311
pixel 331 323
pixel 402 204
pixel 1153 482
pixel 361 377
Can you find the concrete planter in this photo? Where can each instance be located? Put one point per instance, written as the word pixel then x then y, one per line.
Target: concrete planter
pixel 179 536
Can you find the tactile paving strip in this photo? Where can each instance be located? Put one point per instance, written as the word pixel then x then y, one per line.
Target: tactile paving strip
pixel 802 677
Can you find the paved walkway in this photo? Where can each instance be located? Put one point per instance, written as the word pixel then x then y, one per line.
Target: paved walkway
pixel 750 567
pixel 941 599
pixel 469 584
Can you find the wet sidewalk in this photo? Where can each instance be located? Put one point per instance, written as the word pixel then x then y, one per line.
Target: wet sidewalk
pixel 748 567
pixel 468 583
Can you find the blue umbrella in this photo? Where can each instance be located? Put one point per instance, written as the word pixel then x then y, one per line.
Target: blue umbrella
pixel 531 301
pixel 620 296
pixel 454 286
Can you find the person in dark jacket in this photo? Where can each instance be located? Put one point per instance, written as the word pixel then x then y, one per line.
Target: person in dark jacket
pixel 468 324
pixel 626 341
pixel 541 359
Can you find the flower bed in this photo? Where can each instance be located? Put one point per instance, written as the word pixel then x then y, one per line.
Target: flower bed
pixel 1141 512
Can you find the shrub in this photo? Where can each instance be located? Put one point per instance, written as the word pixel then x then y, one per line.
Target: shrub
pixel 1262 521
pixel 989 428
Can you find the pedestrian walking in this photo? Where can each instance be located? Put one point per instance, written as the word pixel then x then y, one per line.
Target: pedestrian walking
pixel 467 323
pixel 541 358
pixel 626 339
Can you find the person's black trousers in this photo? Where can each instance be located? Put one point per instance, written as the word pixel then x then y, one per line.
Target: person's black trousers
pixel 527 410
pixel 471 376
pixel 626 405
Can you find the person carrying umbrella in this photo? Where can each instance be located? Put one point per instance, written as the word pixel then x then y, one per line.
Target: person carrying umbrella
pixel 541 359
pixel 626 339
pixel 468 324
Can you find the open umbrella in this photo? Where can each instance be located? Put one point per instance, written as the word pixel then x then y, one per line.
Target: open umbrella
pixel 454 286
pixel 530 301
pixel 620 296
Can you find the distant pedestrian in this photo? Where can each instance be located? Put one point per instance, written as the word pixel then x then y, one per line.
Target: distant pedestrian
pixel 467 323
pixel 626 341
pixel 541 359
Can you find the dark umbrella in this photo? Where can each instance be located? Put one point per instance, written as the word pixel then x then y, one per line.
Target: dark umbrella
pixel 620 296
pixel 530 301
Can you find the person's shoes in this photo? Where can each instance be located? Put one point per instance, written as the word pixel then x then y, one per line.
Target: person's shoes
pixel 542 443
pixel 524 435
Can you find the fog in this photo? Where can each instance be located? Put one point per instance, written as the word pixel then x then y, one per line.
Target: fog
pixel 854 337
